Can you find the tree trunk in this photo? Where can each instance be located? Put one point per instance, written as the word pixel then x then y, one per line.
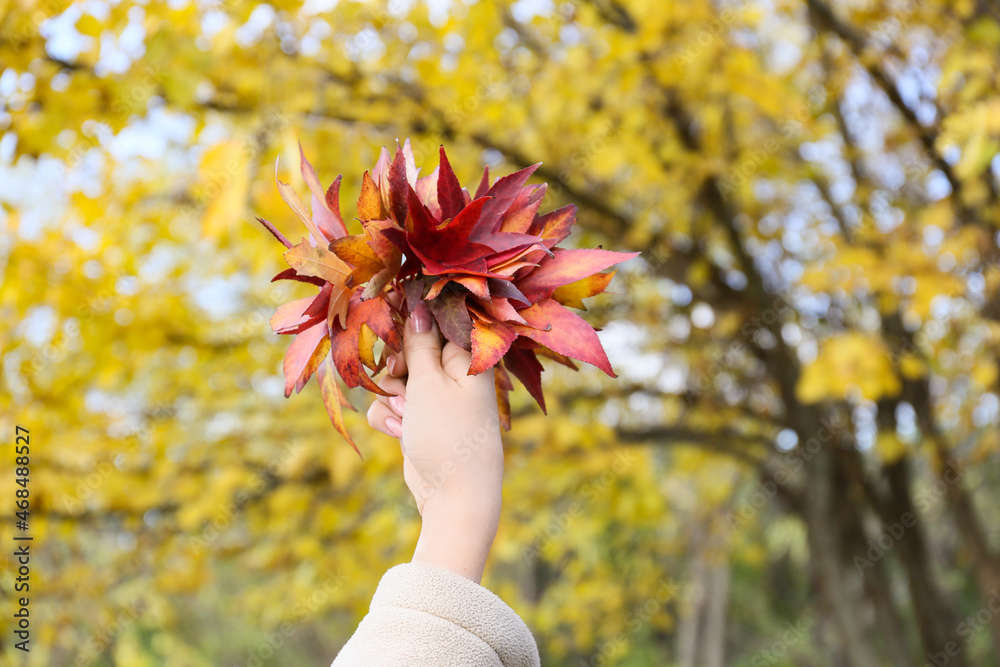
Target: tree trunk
pixel 717 602
pixel 690 610
pixel 821 510
pixel 876 584
pixel 986 563
pixel 935 616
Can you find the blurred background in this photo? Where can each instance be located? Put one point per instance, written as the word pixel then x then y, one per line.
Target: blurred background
pixel 798 464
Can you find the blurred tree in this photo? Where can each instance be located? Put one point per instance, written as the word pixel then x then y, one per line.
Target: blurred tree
pixel 798 463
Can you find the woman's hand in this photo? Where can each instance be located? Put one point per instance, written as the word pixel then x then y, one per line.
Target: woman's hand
pixel 449 432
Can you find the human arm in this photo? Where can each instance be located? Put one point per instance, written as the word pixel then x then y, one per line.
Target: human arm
pixel 449 433
pixel 432 611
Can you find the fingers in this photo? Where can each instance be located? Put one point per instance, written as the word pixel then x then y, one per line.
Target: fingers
pixel 455 361
pixel 393 386
pixel 396 361
pixel 396 364
pixel 422 342
pixel 386 413
pixel 383 419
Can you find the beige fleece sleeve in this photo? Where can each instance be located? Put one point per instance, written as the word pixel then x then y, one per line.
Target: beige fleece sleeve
pixel 423 616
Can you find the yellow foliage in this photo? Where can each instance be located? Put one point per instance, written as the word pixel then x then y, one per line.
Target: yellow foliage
pixel 890 447
pixel 984 374
pixel 223 177
pixel 849 362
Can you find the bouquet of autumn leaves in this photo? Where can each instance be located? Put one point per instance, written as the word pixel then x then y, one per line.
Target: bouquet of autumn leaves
pixel 486 264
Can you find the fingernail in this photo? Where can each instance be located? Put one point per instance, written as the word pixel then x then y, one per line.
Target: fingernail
pixel 391 363
pixel 421 318
pixel 397 403
pixel 394 426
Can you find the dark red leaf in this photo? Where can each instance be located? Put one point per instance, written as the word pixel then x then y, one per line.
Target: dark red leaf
pixel 414 290
pixel 484 183
pixel 449 192
pixel 453 318
pixel 274 232
pixel 345 343
pixel 504 192
pixel 525 367
pixel 567 266
pixel 507 290
pixel 554 226
pixel 292 274
pixel 321 303
pixel 398 187
pixel 564 332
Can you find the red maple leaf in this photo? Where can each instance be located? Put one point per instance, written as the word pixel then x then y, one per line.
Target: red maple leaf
pixel 335 330
pixel 487 265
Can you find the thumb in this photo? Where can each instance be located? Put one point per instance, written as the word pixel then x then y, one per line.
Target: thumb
pixel 422 342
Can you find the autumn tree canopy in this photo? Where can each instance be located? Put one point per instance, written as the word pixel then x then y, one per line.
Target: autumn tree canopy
pixel 797 464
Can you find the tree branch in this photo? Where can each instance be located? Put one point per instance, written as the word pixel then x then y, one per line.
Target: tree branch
pixel 825 19
pixel 720 441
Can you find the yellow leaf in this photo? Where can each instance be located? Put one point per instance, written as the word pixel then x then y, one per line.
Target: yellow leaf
pixel 224 184
pixel 849 362
pixel 911 367
pixel 890 447
pixel 985 374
